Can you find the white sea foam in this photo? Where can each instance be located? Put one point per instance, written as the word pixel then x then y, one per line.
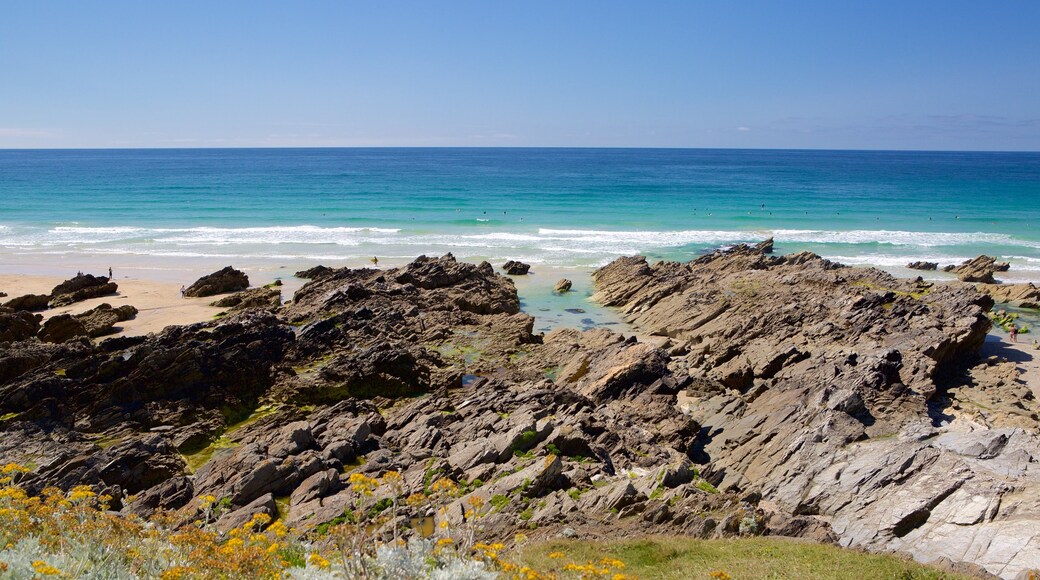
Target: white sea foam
pixel 554 246
pixel 894 237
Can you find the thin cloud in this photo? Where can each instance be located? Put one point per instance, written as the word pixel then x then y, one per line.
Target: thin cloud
pixel 743 129
pixel 22 132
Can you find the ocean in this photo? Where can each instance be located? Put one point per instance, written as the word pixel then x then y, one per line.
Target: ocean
pixel 569 208
pixel 174 214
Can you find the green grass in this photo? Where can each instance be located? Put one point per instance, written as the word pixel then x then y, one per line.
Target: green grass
pixel 8 416
pixel 705 486
pixel 196 459
pixel 668 558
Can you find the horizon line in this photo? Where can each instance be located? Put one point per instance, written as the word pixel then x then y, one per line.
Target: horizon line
pixel 560 147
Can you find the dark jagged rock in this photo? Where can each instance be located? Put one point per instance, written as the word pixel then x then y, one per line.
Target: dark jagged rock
pixel 314 273
pixel 95 322
pixel 563 286
pixel 515 268
pixel 765 246
pixel 819 387
pixel 18 325
pixel 265 298
pixel 79 282
pixel 222 281
pixel 82 287
pixel 29 302
pixel 174 378
pixel 928 266
pixel 62 328
pixel 980 269
pixel 102 319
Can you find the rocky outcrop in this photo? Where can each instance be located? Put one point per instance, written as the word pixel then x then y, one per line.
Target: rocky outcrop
pixel 980 269
pixel 1021 295
pixel 93 323
pixel 62 328
pixel 18 325
pixel 29 302
pixel 563 286
pixel 222 281
pixel 515 268
pixel 102 319
pixel 314 273
pixel 82 287
pixel 264 298
pixel 927 266
pixel 780 395
pixel 826 390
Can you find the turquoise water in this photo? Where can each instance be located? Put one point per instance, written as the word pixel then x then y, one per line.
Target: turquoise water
pixel 560 208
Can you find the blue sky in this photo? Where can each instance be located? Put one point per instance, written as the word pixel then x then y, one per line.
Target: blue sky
pixel 797 74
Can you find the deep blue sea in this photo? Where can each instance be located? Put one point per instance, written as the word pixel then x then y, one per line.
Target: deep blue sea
pixel 551 207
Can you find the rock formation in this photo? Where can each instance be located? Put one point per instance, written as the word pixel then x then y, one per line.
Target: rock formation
pixel 828 390
pixel 265 298
pixel 29 302
pixel 563 286
pixel 82 287
pixel 927 266
pixel 980 269
pixel 222 281
pixel 783 395
pixel 515 268
pixel 16 325
pixel 1021 295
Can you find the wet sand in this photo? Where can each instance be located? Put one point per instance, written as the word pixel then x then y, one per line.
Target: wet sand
pixel 1025 356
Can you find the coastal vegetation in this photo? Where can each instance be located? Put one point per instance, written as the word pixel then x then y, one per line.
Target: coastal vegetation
pixel 73 534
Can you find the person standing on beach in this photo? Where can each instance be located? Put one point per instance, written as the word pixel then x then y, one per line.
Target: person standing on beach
pixel 1013 332
pixel 182 291
pixel 110 272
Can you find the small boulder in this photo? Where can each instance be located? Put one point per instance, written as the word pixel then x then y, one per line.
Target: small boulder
pixel 515 268
pixel 563 286
pixel 220 282
pixel 928 266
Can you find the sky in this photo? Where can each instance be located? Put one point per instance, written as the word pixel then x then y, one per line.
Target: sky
pixel 935 75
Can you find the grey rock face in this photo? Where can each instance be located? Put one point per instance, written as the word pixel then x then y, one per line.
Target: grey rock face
pixel 827 390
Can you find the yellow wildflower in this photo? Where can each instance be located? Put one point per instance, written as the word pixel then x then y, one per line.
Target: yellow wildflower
pixel 317 561
pixel 43 569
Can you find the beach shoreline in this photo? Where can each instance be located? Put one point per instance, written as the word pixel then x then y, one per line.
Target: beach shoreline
pixel 155 291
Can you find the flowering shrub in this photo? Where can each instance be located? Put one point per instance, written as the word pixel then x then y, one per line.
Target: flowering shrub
pixel 73 535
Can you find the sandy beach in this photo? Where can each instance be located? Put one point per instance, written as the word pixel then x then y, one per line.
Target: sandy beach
pixel 159 304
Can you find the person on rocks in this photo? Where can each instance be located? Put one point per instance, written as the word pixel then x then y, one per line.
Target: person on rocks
pixel 1013 332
